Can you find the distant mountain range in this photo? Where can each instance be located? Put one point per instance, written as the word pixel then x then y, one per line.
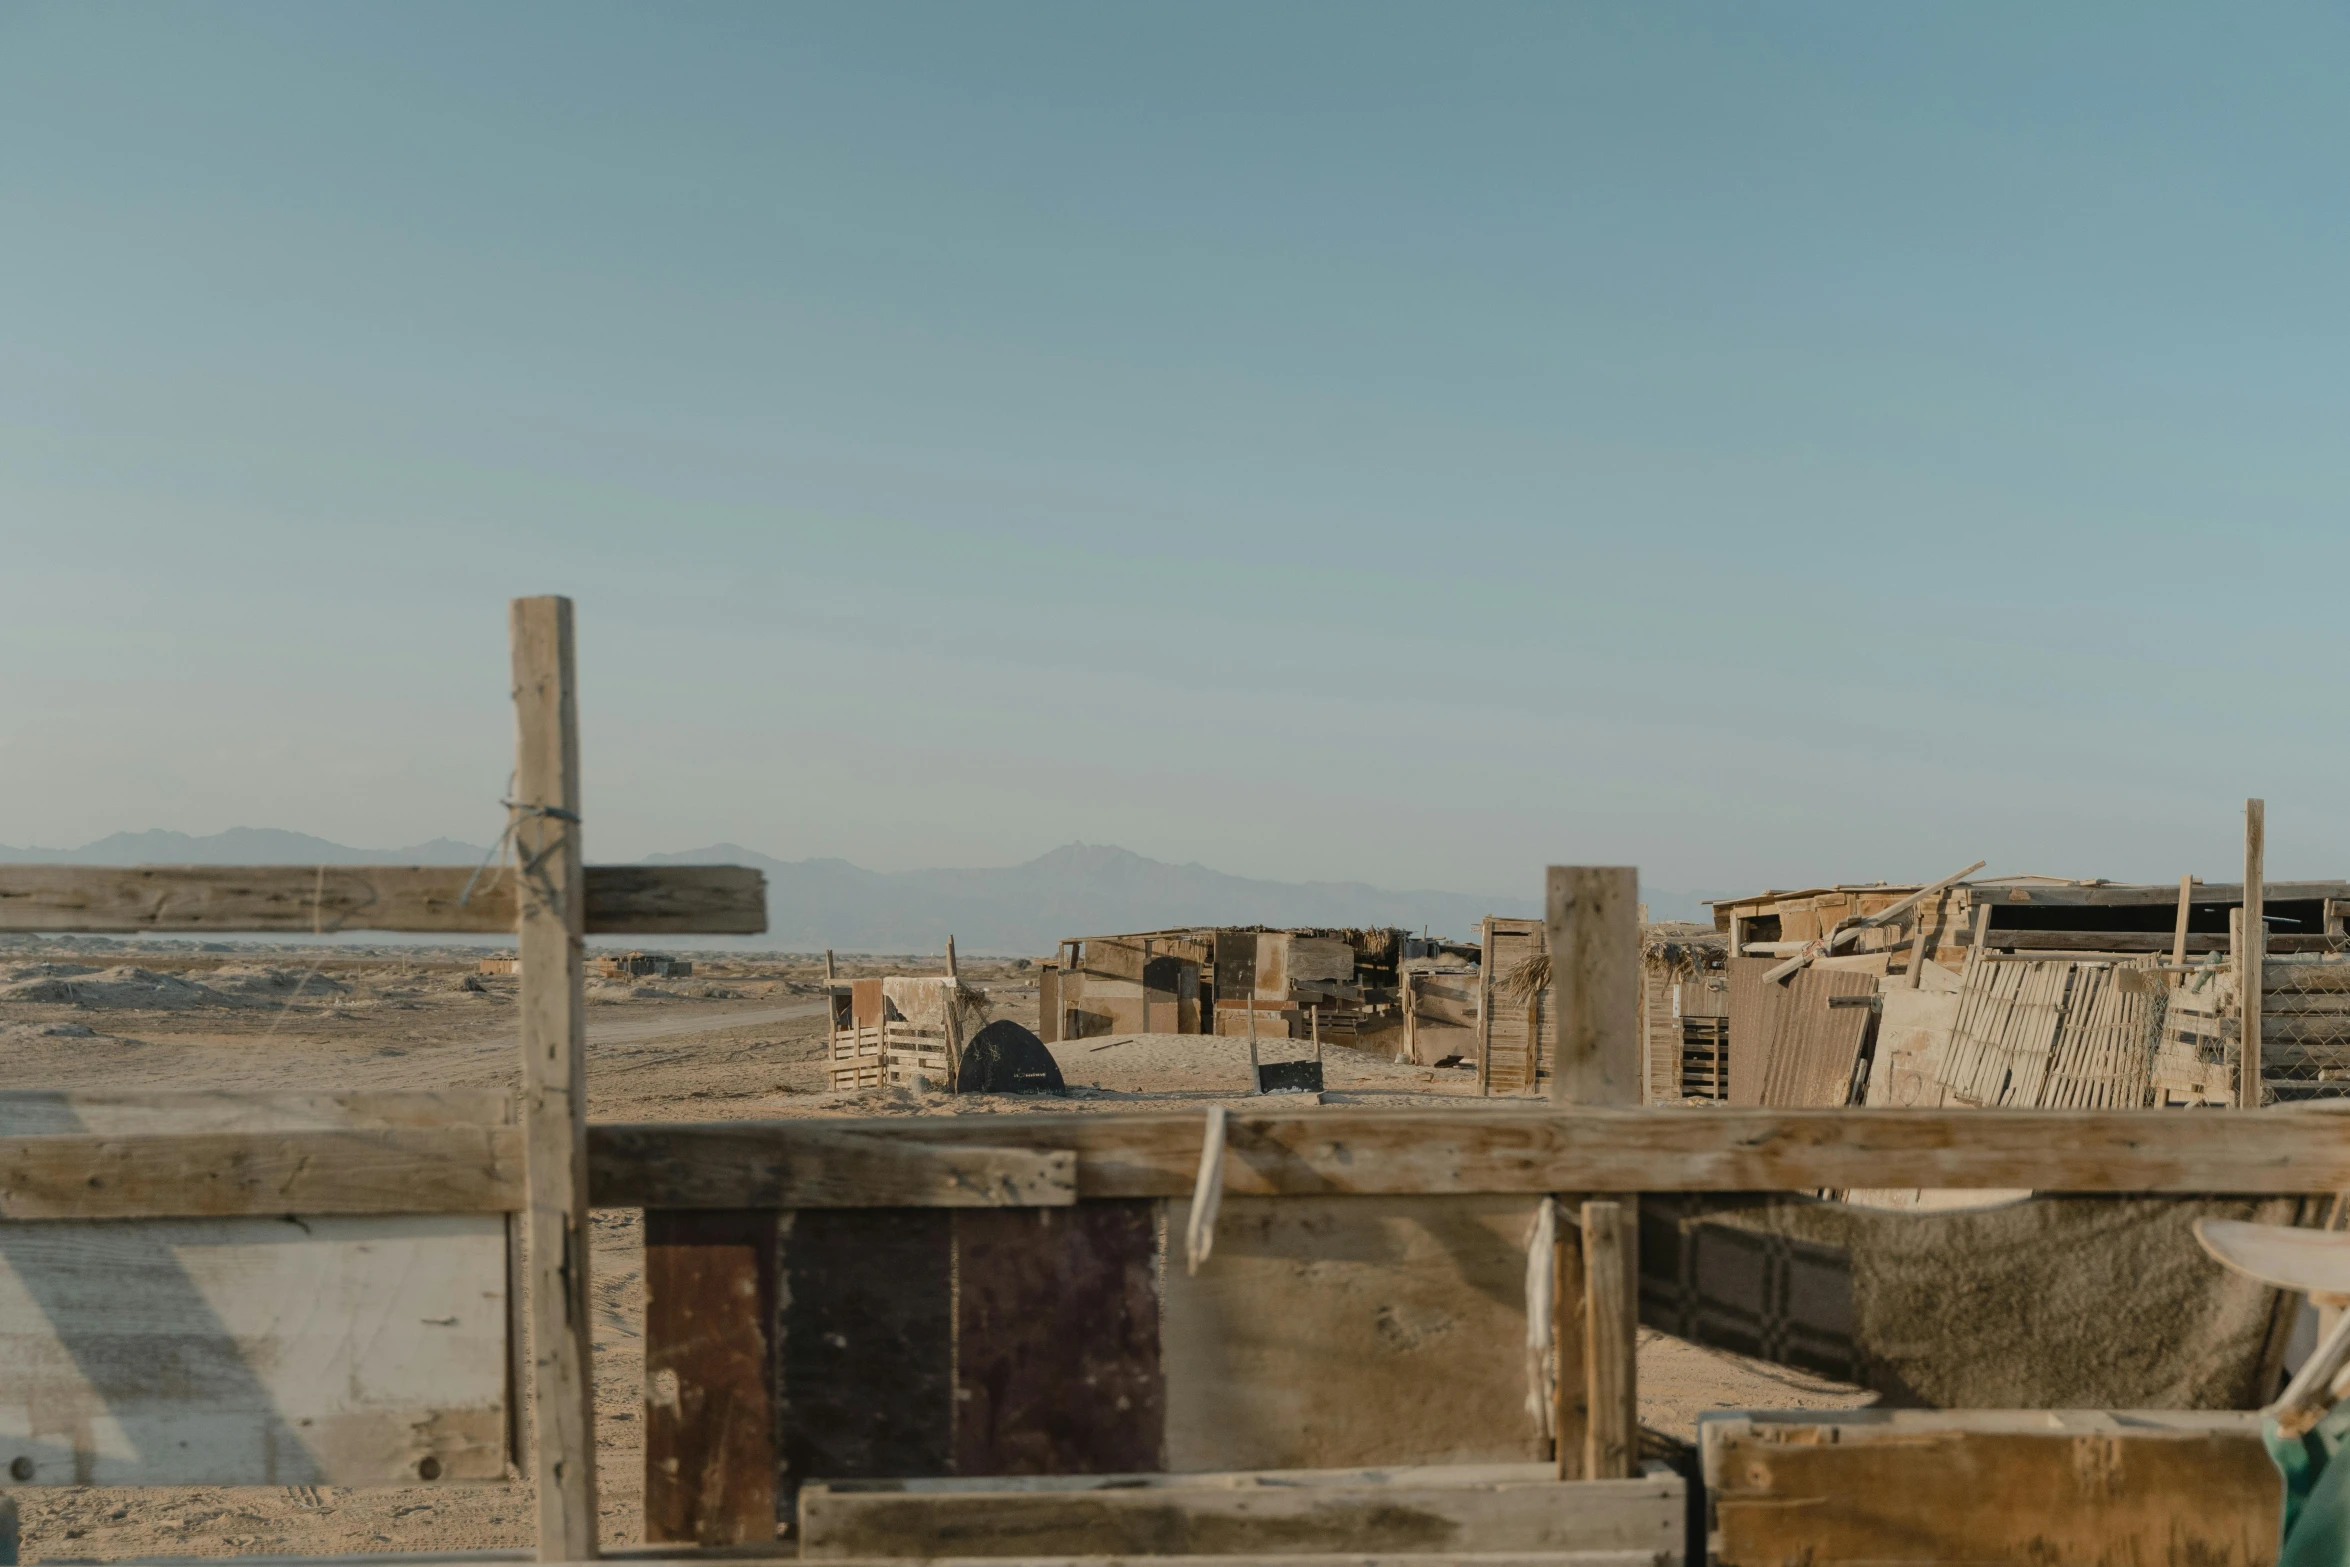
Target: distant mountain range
pixel 1077 890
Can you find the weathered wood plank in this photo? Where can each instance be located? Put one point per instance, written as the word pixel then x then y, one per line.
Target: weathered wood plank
pixel 710 1319
pixel 345 1351
pixel 1057 1341
pixel 2100 1490
pixel 785 1164
pixel 1497 1148
pixel 1478 1508
pixel 2154 894
pixel 1594 936
pixel 552 911
pixel 112 1113
pixel 660 1556
pixel 670 900
pixel 867 1302
pixel 473 1169
pixel 1611 1331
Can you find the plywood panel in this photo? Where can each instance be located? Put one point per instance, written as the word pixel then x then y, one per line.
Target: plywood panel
pixel 254 1351
pixel 1337 1331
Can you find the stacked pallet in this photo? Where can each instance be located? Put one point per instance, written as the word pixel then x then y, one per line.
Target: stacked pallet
pixel 2055 1032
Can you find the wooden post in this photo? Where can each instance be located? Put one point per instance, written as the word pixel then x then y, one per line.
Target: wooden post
pixel 1145 986
pixel 1485 1007
pixel 1595 983
pixel 552 895
pixel 952 972
pixel 1570 1389
pixel 2252 952
pixel 1737 935
pixel 1611 1336
pixel 1411 1022
pixel 1254 1081
pixel 1314 1017
pixel 2178 940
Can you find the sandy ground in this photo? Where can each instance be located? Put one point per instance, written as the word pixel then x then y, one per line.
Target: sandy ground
pixel 742 1039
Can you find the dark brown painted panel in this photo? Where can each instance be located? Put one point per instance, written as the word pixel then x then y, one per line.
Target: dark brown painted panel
pixel 1058 1341
pixel 867 1347
pixel 709 1376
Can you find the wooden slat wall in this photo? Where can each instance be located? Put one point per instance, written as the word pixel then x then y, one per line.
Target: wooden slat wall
pixel 1810 1057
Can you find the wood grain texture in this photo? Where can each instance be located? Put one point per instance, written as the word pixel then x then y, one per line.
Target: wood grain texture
pixel 1057 1340
pixel 1527 1149
pixel 1570 1384
pixel 347 1351
pixel 1594 920
pixel 710 1366
pixel 646 900
pixel 550 929
pixel 1611 1329
pixel 786 1164
pixel 1296 1512
pixel 2094 1490
pixel 113 1113
pixel 472 1169
pixel 2154 894
pixel 2251 954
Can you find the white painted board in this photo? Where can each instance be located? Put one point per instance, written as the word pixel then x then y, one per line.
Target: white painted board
pixel 254 1351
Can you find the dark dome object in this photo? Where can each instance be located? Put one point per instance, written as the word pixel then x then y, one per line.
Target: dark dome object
pixel 1004 1058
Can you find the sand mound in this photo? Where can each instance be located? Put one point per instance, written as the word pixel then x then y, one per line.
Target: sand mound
pixel 119 987
pixel 273 984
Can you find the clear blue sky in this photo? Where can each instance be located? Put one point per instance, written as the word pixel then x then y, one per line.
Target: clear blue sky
pixel 1407 443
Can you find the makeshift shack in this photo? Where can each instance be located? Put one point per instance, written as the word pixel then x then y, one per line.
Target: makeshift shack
pixel 1209 980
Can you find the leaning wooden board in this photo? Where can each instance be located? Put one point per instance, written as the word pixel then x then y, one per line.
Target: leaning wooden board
pixel 253 1350
pixel 844 1344
pixel 2063 1489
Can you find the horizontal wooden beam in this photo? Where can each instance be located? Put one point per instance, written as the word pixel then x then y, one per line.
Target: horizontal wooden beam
pixel 1503 1150
pixel 1049 1160
pixel 471 1169
pixel 1363 1512
pixel 637 900
pixel 2158 895
pixel 755 1164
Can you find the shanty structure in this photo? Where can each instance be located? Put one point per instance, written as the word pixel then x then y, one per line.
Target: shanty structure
pixel 1210 980
pixel 2035 991
pixel 1684 1011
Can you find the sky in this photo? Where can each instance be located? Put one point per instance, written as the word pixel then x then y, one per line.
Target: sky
pixel 1408 443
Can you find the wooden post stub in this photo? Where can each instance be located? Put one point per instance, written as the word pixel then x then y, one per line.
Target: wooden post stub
pixel 1570 1387
pixel 551 942
pixel 2252 952
pixel 1595 983
pixel 1611 1325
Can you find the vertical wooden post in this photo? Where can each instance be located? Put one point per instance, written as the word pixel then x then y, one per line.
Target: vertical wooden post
pixel 552 893
pixel 1485 1007
pixel 2252 952
pixel 1595 983
pixel 1570 1389
pixel 1611 1337
pixel 2178 938
pixel 1737 935
pixel 1411 1022
pixel 952 971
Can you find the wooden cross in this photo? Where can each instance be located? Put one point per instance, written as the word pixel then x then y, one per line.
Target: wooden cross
pixel 552 902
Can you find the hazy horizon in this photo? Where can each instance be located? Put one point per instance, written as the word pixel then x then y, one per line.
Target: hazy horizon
pixel 1385 443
